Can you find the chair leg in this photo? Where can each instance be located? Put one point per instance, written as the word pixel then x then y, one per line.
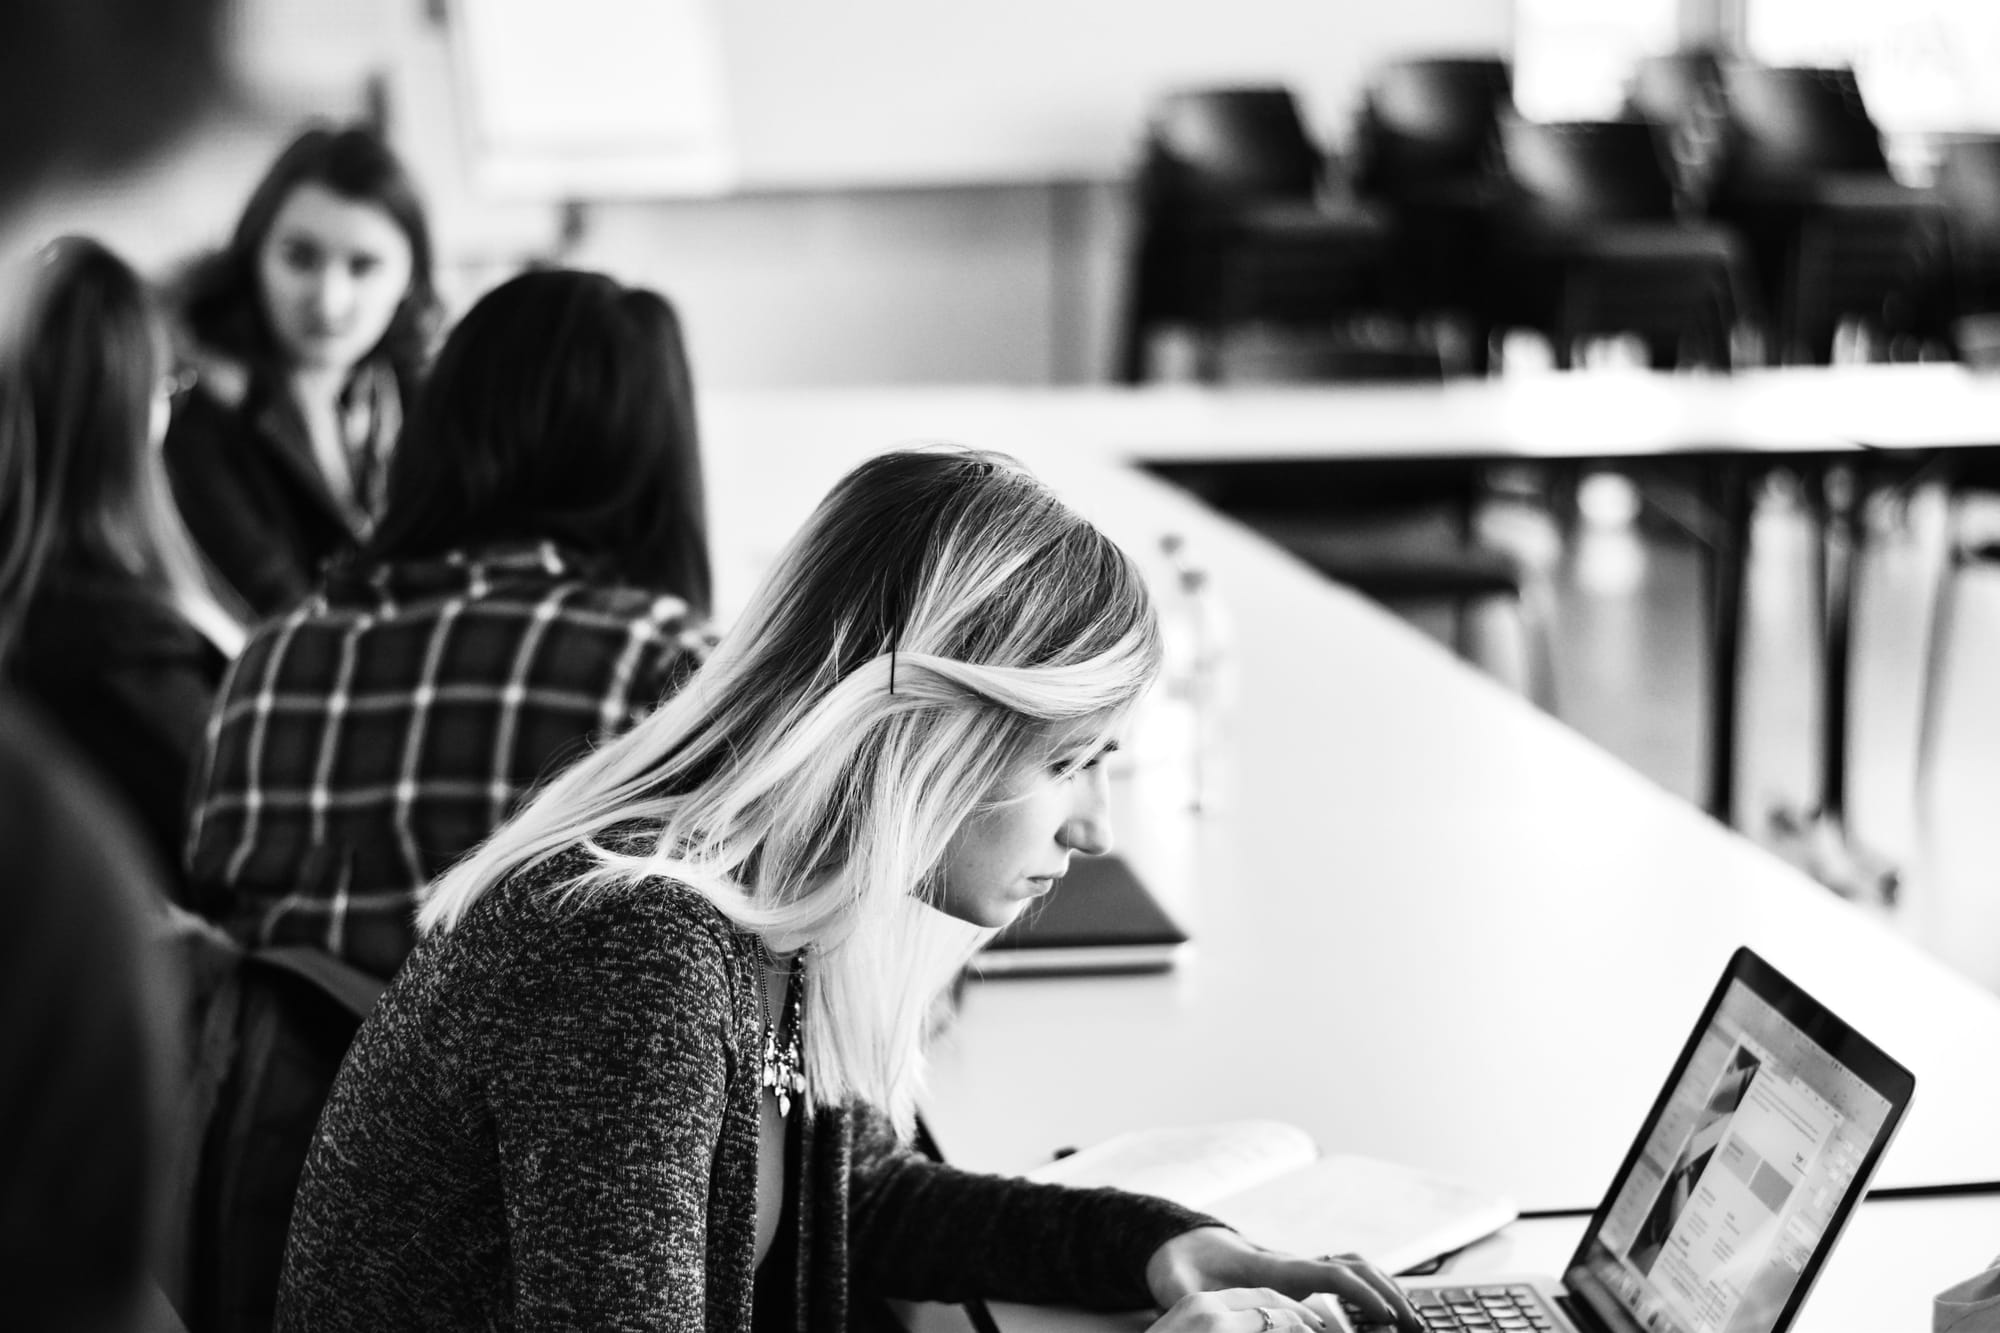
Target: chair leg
pixel 1132 339
pixel 1537 661
pixel 1538 635
pixel 1208 338
pixel 1930 700
pixel 1464 638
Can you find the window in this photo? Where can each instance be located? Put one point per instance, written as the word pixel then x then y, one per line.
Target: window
pixel 1925 66
pixel 1573 58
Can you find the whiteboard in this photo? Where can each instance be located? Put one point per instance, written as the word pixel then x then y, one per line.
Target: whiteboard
pixel 855 93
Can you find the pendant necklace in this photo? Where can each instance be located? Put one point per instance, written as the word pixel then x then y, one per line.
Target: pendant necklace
pixel 784 1063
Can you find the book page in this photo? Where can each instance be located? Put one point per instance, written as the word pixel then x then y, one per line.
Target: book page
pixel 1396 1216
pixel 1192 1165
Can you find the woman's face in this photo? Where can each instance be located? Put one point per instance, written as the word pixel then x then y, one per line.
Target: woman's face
pixel 332 271
pixel 1014 851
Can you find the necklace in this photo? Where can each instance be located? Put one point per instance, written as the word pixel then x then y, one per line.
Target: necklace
pixel 784 1063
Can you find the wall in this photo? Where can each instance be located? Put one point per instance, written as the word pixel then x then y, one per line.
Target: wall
pixel 817 282
pixel 1014 282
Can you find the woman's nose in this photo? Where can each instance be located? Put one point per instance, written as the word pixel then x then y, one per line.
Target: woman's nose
pixel 333 293
pixel 1088 829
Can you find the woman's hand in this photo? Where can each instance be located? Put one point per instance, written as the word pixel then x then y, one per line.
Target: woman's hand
pixel 1212 1259
pixel 1237 1310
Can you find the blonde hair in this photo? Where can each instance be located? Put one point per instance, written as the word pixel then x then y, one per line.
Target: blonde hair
pixel 942 621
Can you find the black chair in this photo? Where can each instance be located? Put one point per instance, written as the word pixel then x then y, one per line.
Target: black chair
pixel 1402 533
pixel 1426 147
pixel 1591 245
pixel 1681 96
pixel 264 1033
pixel 1234 228
pixel 1966 474
pixel 1968 189
pixel 1833 237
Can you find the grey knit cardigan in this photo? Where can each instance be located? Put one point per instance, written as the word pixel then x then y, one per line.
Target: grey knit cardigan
pixel 550 1121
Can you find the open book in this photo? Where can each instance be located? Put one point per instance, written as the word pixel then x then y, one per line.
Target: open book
pixel 1267 1179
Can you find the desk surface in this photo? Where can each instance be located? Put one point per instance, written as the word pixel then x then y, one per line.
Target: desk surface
pixel 1597 414
pixel 1529 417
pixel 1432 923
pixel 1894 1257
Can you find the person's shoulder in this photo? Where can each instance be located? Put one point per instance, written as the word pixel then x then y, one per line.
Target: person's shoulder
pixel 658 623
pixel 584 911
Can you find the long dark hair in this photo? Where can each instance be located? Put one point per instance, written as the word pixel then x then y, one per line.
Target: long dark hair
pixel 81 483
pixel 221 303
pixel 560 408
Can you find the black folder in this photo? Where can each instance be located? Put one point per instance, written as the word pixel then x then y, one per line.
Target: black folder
pixel 1099 919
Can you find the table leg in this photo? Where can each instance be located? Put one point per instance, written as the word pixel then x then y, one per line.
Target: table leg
pixel 1729 483
pixel 1819 835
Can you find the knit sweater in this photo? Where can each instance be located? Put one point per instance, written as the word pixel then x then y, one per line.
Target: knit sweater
pixel 551 1121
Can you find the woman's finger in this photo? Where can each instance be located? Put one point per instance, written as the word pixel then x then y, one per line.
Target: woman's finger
pixel 1374 1293
pixel 1239 1310
pixel 1260 1302
pixel 1286 1312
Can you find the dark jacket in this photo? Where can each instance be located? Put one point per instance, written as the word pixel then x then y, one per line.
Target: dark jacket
pixel 130 681
pixel 251 493
pixel 84 1097
pixel 551 1121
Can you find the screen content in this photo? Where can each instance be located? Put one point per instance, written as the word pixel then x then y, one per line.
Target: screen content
pixel 1743 1172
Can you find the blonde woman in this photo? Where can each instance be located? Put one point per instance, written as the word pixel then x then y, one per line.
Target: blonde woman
pixel 654 1061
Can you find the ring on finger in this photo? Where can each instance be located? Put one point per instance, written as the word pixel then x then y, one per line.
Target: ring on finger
pixel 1265 1313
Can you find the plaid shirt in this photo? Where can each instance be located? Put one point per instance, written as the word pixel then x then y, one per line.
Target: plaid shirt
pixel 367 739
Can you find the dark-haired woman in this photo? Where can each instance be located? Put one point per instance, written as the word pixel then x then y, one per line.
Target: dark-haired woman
pixel 538 580
pixel 307 333
pixel 106 618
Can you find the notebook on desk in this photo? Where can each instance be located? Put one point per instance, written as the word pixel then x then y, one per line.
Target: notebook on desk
pixel 1099 919
pixel 1736 1188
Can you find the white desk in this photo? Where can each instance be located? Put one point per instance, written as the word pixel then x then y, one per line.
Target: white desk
pixel 1433 924
pixel 1894 1256
pixel 1734 424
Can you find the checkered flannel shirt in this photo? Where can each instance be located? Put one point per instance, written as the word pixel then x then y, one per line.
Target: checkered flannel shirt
pixel 366 740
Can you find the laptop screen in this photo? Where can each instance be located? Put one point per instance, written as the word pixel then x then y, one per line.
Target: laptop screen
pixel 1761 1142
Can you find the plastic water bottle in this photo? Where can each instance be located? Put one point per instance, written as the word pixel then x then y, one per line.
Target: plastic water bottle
pixel 1195 685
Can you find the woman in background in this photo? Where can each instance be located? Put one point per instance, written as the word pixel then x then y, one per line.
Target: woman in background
pixel 307 334
pixel 654 1062
pixel 539 580
pixel 106 618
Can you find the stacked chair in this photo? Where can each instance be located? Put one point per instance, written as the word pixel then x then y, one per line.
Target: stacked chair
pixel 1731 195
pixel 1968 191
pixel 1833 236
pixel 1591 244
pixel 1235 228
pixel 1402 533
pixel 1680 95
pixel 1427 151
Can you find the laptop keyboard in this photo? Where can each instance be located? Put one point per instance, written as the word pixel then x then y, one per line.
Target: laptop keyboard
pixel 1502 1309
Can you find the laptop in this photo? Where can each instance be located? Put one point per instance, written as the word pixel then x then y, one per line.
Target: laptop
pixel 1739 1183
